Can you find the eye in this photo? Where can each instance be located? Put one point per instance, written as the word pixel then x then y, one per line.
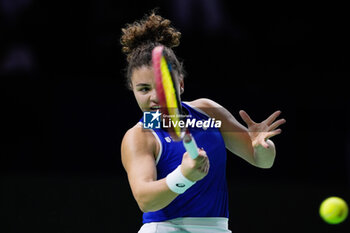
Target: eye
pixel 144 89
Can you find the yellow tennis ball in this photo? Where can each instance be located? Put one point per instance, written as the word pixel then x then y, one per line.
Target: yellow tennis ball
pixel 334 210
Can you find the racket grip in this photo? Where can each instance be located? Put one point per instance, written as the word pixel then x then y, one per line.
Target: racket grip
pixel 190 146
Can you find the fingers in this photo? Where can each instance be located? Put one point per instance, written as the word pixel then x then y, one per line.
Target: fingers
pixel 272 117
pixel 195 169
pixel 246 118
pixel 276 124
pixel 202 156
pixel 202 152
pixel 205 167
pixel 264 144
pixel 202 161
pixel 272 133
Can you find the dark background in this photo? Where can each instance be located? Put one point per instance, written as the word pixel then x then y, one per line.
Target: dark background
pixel 64 109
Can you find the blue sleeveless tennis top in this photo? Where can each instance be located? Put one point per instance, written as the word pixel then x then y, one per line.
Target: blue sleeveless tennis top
pixel 207 197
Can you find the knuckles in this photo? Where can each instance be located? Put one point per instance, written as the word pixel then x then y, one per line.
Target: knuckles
pixel 200 164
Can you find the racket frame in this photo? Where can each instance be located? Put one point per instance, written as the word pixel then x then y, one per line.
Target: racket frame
pixel 171 106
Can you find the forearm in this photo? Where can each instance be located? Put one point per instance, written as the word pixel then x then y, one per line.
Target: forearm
pixel 154 195
pixel 265 157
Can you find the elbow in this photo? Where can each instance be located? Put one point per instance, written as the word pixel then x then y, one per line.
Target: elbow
pixel 142 203
pixel 145 205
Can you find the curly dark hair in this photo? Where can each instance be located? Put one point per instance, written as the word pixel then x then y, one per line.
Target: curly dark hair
pixel 139 38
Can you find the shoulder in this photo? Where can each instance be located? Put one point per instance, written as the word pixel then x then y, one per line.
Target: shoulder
pixel 208 106
pixel 136 133
pixel 137 136
pixel 138 141
pixel 203 103
pixel 215 110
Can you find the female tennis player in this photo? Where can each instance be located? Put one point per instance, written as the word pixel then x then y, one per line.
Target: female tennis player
pixel 177 193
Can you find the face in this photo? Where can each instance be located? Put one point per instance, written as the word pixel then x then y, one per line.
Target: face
pixel 144 88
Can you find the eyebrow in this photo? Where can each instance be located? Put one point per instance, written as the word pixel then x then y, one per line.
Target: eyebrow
pixel 142 84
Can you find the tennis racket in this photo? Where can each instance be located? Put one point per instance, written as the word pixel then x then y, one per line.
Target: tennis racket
pixel 169 100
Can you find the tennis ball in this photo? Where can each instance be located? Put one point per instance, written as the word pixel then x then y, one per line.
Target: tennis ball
pixel 334 210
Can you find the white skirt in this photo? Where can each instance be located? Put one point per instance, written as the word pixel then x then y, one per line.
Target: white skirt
pixel 187 225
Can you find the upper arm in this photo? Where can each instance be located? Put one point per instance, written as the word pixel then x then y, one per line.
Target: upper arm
pixel 235 135
pixel 138 151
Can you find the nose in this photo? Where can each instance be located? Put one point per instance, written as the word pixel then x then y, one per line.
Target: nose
pixel 153 96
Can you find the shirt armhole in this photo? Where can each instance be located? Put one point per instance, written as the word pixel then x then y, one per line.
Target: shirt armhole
pixel 159 142
pixel 160 146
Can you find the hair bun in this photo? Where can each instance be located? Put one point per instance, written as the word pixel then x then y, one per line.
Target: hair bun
pixel 151 29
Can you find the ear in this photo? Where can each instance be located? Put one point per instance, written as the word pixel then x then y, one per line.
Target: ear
pixel 182 85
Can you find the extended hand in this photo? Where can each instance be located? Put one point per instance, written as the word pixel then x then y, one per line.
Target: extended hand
pixel 261 132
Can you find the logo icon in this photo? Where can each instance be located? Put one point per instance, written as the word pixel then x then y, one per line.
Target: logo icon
pixel 151 120
pixel 180 185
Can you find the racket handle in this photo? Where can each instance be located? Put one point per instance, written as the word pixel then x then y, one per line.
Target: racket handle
pixel 190 146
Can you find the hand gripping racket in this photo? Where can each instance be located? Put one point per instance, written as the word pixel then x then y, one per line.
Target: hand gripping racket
pixel 169 100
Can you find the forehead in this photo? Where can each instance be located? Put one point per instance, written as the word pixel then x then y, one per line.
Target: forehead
pixel 143 74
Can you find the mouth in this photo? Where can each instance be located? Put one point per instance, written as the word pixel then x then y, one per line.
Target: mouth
pixel 155 108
